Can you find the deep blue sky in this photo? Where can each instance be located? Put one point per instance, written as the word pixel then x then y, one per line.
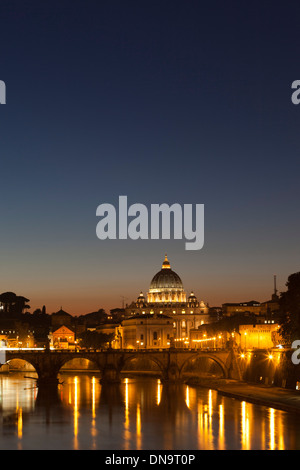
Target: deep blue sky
pixel 162 101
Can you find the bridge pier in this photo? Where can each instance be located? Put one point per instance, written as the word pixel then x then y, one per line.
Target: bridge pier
pixel 171 374
pixel 110 375
pixel 47 369
pixel 47 384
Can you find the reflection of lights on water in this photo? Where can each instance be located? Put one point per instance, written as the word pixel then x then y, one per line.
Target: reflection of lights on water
pixel 94 396
pixel 204 421
pixel 77 390
pixel 272 429
pixel 75 411
pixel 246 433
pixel 138 419
pixel 209 414
pixel 20 423
pixel 138 426
pixel 245 426
pixel 19 417
pixel 210 406
pixel 127 434
pixel 221 427
pixel 187 396
pixel 126 404
pixel 130 401
pixel 93 422
pixel 158 394
pixel 70 396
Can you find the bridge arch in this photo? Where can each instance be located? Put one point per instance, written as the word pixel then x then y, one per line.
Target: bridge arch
pixel 208 356
pixel 140 357
pixel 19 363
pixel 46 368
pixel 79 362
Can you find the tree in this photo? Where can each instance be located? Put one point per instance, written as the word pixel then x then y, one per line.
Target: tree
pixel 290 309
pixel 13 304
pixel 93 339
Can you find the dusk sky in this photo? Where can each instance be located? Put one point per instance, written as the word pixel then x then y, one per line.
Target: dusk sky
pixel 183 102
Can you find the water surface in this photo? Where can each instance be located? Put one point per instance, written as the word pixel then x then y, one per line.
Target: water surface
pixel 140 413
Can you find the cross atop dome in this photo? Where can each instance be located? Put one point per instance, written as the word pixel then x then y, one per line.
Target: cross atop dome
pixel 166 263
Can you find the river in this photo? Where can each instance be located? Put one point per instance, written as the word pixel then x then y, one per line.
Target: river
pixel 139 413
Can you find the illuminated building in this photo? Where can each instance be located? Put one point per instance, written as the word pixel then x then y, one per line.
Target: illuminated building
pixel 259 336
pixel 16 335
pixel 166 287
pixel 147 331
pixel 63 338
pixel 166 296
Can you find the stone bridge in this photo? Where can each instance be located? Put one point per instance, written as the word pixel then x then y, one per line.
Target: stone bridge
pixel 171 362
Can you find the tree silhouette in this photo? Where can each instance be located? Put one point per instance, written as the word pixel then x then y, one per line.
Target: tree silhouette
pixel 93 339
pixel 290 309
pixel 13 304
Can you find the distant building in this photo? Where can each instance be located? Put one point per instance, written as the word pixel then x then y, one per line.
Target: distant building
pixel 230 309
pixel 16 334
pixel 166 296
pixel 269 308
pixel 61 318
pixel 147 331
pixel 63 338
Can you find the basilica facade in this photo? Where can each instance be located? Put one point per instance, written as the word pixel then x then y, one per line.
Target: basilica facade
pixel 167 300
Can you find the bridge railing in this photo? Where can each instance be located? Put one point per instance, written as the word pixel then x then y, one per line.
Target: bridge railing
pixel 107 350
